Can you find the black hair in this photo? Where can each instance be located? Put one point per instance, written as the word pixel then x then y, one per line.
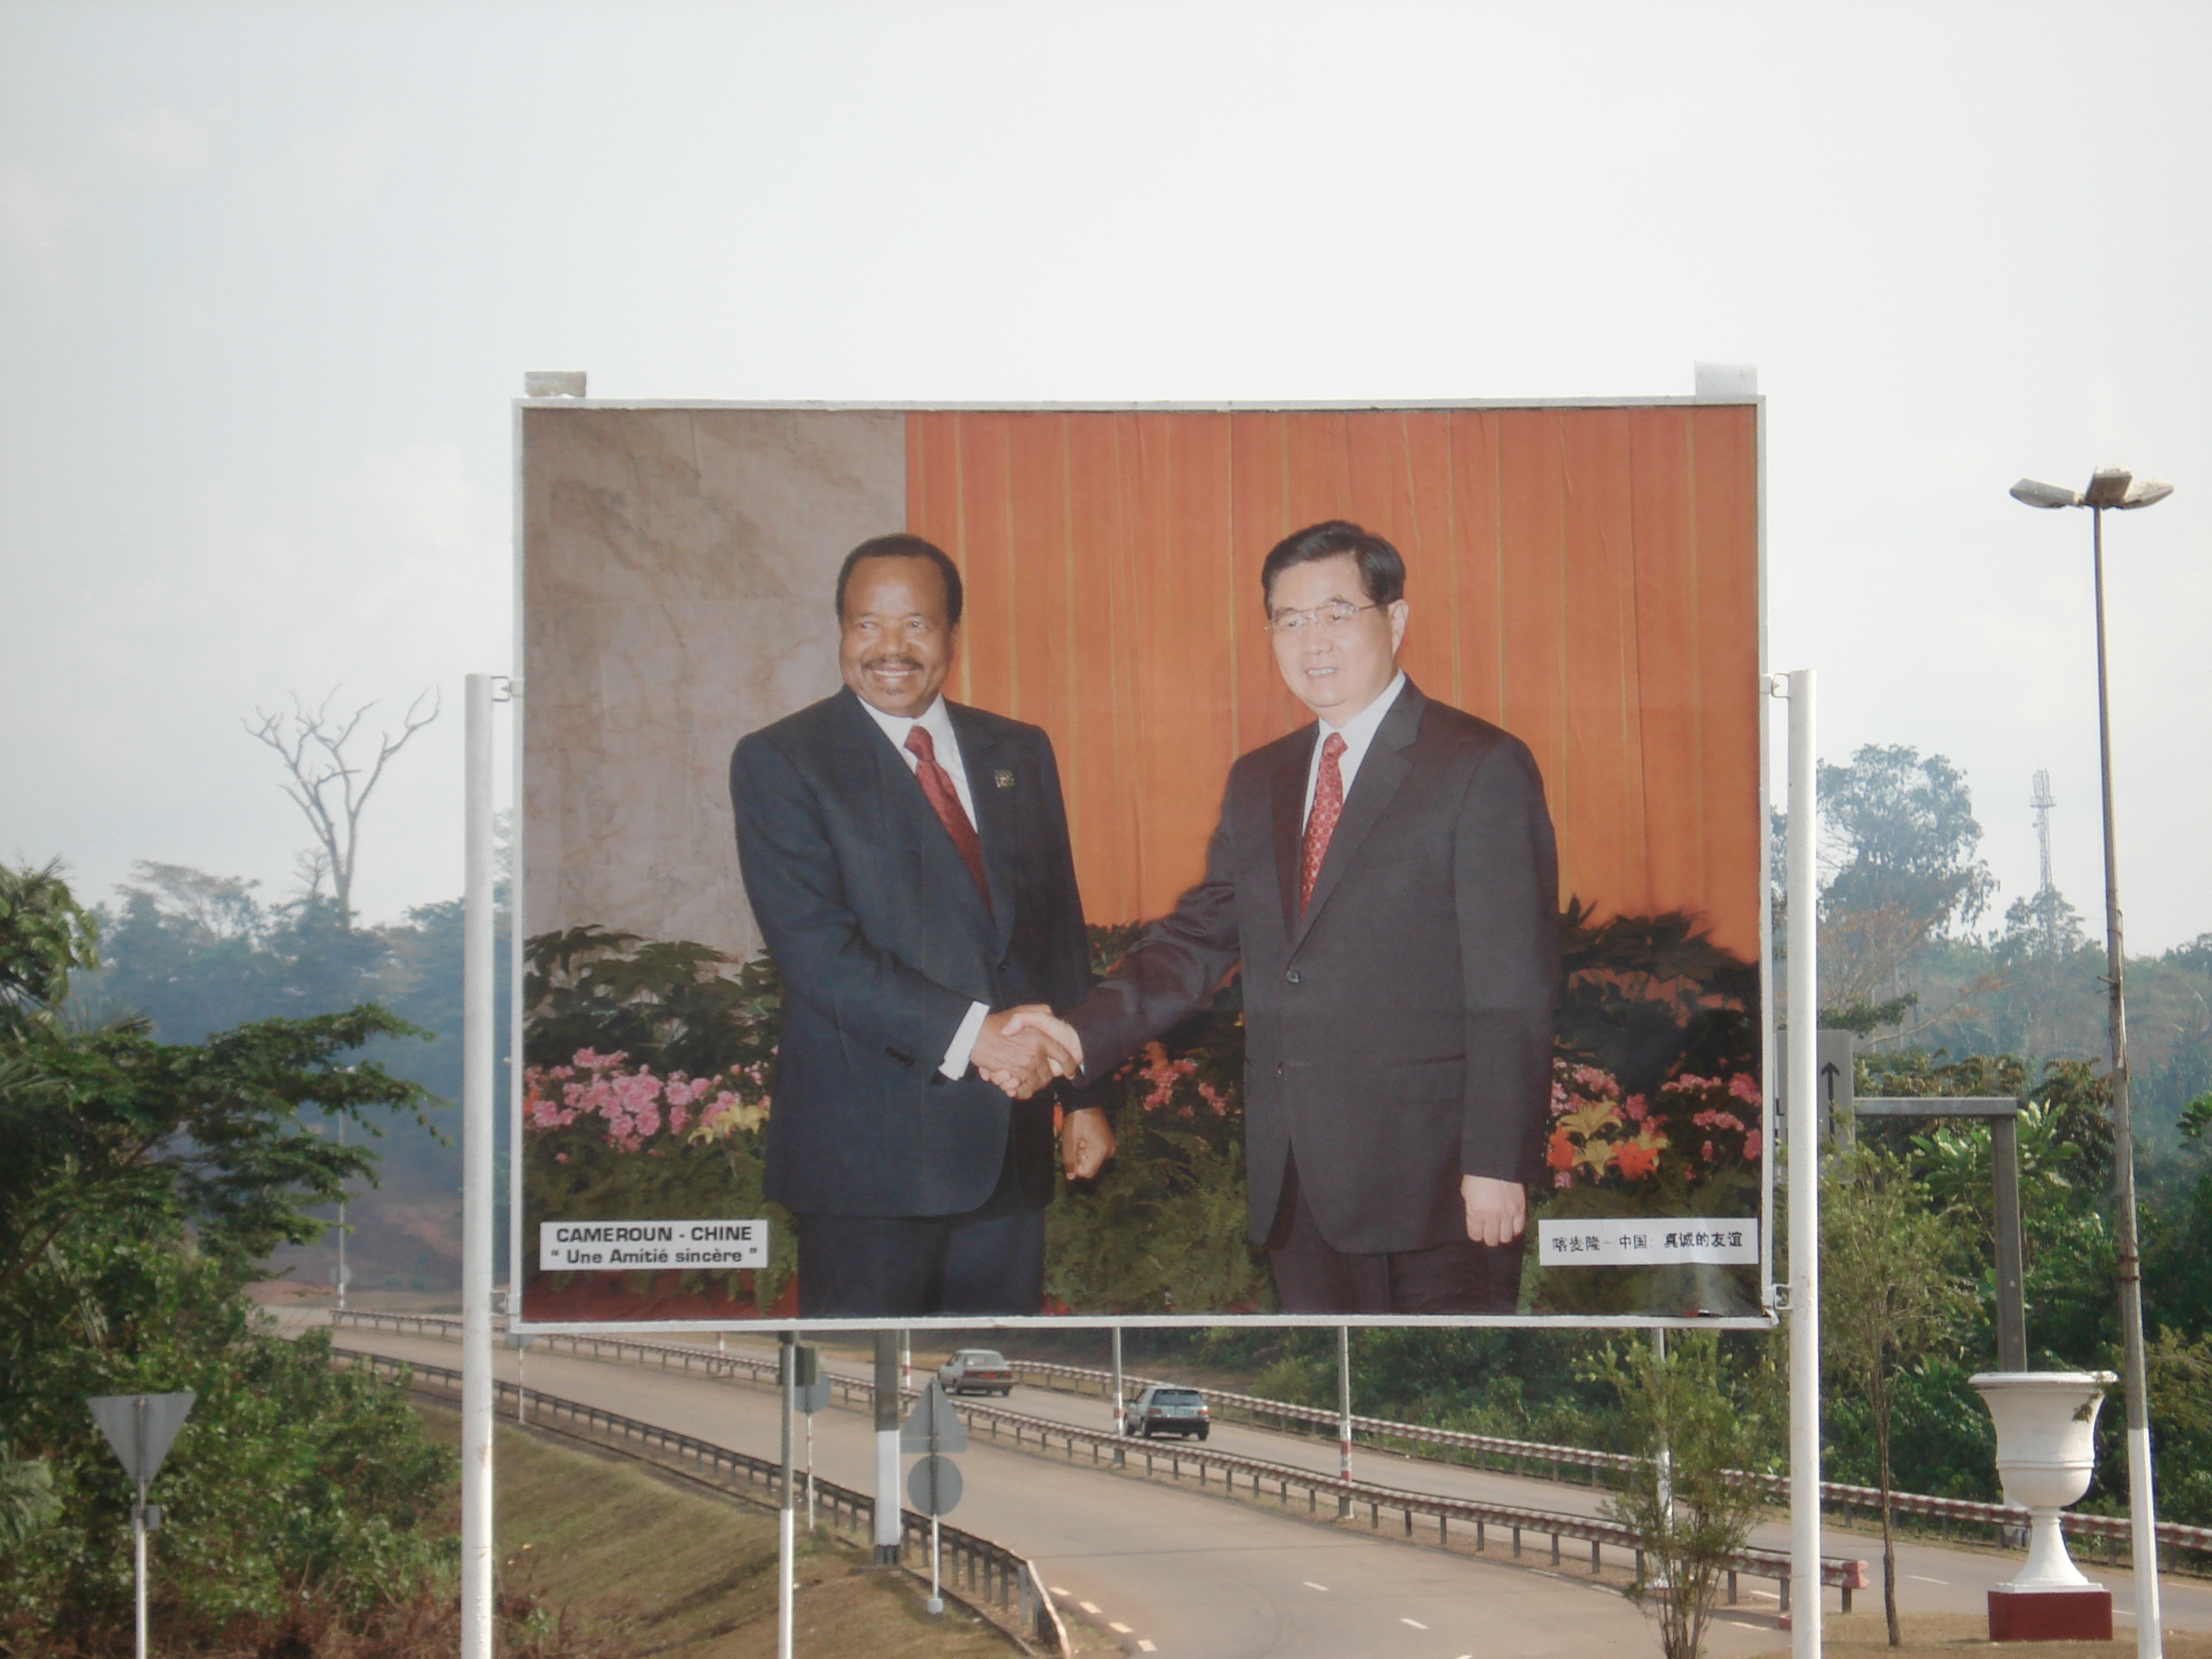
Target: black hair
pixel 1382 572
pixel 902 546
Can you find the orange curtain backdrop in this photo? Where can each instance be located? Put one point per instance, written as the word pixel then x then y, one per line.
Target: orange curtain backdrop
pixel 1586 578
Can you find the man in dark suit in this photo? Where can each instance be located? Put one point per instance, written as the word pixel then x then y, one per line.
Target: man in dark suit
pixel 1387 877
pixel 907 861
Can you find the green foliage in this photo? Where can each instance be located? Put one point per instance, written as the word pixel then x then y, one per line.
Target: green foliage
pixel 1903 833
pixel 1687 1428
pixel 1646 997
pixel 45 935
pixel 141 1185
pixel 670 1004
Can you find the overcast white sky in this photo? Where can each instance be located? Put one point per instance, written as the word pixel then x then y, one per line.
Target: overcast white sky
pixel 270 275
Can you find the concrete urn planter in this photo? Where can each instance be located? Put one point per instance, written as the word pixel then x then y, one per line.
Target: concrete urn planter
pixel 2046 1425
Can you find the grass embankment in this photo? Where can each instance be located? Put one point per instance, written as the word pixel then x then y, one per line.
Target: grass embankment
pixel 601 1556
pixel 1863 1635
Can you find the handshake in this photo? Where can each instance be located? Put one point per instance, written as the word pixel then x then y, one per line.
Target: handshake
pixel 1023 1049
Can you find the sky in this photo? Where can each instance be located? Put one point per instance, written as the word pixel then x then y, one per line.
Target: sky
pixel 270 275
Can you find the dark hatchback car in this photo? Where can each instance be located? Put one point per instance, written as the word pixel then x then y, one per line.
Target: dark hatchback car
pixel 1163 1410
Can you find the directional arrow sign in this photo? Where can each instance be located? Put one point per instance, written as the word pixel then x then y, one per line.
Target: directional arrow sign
pixel 933 1485
pixel 141 1427
pixel 934 1425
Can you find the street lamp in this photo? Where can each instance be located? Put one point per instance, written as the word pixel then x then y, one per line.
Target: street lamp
pixel 2114 487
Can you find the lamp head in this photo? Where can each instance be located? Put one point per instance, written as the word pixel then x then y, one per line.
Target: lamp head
pixel 2037 493
pixel 2109 488
pixel 2143 491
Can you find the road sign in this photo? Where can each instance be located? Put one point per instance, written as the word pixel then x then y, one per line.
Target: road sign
pixel 812 1397
pixel 934 1425
pixel 141 1427
pixel 933 1485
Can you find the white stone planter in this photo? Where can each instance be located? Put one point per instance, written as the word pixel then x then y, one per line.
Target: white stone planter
pixel 2046 1448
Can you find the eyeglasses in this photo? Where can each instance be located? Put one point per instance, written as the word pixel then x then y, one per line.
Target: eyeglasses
pixel 1336 614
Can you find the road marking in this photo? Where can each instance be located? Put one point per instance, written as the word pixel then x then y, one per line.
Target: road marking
pixel 1090 1608
pixel 1119 1628
pixel 1924 1579
pixel 1143 1646
pixel 1415 1623
pixel 1057 1589
pixel 1311 1585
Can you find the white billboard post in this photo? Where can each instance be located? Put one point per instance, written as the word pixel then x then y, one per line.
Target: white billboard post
pixel 477 1028
pixel 1804 1057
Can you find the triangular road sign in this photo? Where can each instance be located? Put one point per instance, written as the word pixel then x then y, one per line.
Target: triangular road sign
pixel 934 1425
pixel 141 1427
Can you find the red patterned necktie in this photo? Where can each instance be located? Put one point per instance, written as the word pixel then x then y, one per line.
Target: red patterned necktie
pixel 1320 822
pixel 937 784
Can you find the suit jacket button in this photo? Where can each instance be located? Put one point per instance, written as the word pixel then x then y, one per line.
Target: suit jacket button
pixel 1292 976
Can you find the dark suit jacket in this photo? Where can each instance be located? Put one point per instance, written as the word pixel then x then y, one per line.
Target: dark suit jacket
pixel 882 943
pixel 1398 1035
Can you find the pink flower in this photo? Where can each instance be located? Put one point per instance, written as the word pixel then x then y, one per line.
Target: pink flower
pixel 1752 1143
pixel 1745 1088
pixel 1637 1109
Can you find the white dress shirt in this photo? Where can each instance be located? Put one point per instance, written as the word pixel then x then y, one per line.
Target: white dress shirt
pixel 938 722
pixel 1358 732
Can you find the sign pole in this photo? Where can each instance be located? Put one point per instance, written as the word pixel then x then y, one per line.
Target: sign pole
pixel 138 1554
pixel 1121 1410
pixel 477 1041
pixel 1804 1174
pixel 889 1531
pixel 785 1544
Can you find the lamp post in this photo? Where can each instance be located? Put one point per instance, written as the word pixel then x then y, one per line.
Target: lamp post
pixel 2114 487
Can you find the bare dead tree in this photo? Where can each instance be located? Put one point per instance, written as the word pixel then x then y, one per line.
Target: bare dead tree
pixel 330 788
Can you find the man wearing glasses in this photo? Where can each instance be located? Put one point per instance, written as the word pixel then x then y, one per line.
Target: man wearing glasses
pixel 1387 877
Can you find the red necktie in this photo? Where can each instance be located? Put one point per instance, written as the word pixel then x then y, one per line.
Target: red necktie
pixel 1320 822
pixel 937 784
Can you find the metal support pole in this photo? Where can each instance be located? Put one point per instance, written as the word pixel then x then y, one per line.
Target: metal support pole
pixel 1343 1415
pixel 2011 1297
pixel 1120 1406
pixel 888 1526
pixel 786 1545
pixel 2142 1508
pixel 1804 1173
pixel 342 1275
pixel 139 1546
pixel 476 1048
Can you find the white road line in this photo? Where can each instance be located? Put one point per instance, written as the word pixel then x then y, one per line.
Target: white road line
pixel 1119 1628
pixel 1056 1589
pixel 1090 1608
pixel 1415 1623
pixel 1143 1646
pixel 1311 1585
pixel 1924 1579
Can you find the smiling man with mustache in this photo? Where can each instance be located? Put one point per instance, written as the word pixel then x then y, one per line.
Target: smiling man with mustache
pixel 908 861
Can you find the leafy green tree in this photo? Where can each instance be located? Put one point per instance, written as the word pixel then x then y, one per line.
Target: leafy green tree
pixel 1689 1429
pixel 141 1184
pixel 1892 1294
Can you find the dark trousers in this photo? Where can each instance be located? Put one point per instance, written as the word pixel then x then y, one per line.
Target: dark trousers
pixel 1312 1276
pixel 866 1266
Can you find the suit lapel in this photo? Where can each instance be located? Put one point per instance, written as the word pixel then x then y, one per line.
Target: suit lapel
pixel 904 813
pixel 1382 770
pixel 1290 808
pixel 983 758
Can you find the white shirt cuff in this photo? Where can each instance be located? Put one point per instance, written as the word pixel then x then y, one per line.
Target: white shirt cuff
pixel 964 1041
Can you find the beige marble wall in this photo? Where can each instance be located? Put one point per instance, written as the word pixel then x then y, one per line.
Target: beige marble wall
pixel 677 569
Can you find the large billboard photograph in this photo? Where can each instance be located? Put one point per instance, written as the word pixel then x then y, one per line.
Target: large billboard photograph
pixel 1139 865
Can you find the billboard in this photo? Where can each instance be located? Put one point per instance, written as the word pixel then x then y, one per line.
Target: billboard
pixel 1404 939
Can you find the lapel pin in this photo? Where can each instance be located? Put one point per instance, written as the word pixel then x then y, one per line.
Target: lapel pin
pixel 1003 778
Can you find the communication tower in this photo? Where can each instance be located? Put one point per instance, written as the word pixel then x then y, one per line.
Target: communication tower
pixel 2042 803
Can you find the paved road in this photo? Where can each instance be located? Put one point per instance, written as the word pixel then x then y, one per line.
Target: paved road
pixel 1931 1578
pixel 1187 1573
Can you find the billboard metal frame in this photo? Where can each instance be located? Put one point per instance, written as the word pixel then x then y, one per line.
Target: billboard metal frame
pixel 1772 1295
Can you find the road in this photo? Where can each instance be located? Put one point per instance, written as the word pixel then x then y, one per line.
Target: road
pixel 1189 1573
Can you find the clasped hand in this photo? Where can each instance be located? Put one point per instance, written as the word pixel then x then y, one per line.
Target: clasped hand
pixel 1023 1049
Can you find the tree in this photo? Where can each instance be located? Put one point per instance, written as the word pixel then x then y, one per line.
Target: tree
pixel 1690 1509
pixel 330 788
pixel 142 1185
pixel 1901 840
pixel 1891 1293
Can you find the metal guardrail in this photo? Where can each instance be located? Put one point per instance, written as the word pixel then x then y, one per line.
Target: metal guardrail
pixel 1839 1572
pixel 2007 1523
pixel 999 1583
